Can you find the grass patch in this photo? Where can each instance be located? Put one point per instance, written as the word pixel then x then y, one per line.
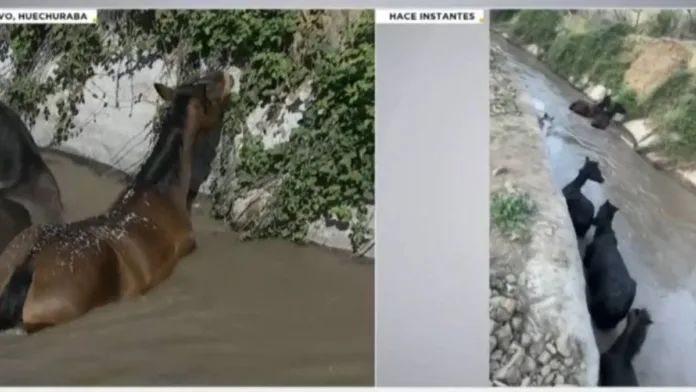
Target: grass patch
pixel 670 108
pixel 595 52
pixel 536 27
pixel 629 99
pixel 511 214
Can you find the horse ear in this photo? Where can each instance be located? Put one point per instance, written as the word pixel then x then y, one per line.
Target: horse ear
pixel 165 92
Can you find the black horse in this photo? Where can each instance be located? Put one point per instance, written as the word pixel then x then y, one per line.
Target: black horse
pixel 602 119
pixel 580 208
pixel 29 193
pixel 590 110
pixel 610 288
pixel 616 365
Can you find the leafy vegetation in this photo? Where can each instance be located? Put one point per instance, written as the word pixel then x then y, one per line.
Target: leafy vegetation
pixel 511 213
pixel 600 52
pixel 325 170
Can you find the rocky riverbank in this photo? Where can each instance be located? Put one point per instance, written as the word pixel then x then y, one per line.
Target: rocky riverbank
pixel 540 330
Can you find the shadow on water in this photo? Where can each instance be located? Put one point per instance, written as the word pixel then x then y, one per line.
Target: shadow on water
pixel 233 313
pixel 656 225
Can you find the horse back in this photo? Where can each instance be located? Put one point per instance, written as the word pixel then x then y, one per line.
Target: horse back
pixel 580 107
pixel 607 269
pixel 152 235
pixel 71 265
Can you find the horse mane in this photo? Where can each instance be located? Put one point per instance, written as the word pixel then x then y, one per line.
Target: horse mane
pixel 164 156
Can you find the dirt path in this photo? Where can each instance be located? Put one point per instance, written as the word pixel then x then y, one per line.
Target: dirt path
pixel 234 313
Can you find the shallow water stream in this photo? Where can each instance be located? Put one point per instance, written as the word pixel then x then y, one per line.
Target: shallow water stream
pixel 233 313
pixel 656 224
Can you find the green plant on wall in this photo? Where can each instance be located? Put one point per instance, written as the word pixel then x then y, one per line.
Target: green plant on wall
pixel 331 170
pixel 545 27
pixel 325 170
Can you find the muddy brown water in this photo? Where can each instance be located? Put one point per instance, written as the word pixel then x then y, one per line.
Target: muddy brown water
pixel 656 224
pixel 233 313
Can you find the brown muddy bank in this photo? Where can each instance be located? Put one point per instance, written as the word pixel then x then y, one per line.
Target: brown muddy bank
pixel 233 313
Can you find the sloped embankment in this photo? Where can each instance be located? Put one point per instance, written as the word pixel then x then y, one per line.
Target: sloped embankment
pixel 541 331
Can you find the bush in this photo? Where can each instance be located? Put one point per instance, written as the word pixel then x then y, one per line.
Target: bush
pixel 629 99
pixel 511 213
pixel 662 24
pixel 538 27
pixel 501 16
pixel 595 52
pixel 325 169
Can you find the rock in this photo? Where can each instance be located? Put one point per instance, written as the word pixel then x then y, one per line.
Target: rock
pixel 548 380
pixel 550 348
pixel 528 365
pixel 525 340
pixel 497 355
pixel 568 362
pixel 491 326
pixel 536 349
pixel 513 376
pixel 555 364
pixel 559 380
pixel 562 345
pixel 544 358
pixel 522 279
pixel 502 308
pixel 545 370
pixel 511 278
pixel 526 381
pixel 493 343
pixel 517 323
pixel 504 335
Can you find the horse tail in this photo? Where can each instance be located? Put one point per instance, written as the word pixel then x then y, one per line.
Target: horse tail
pixel 14 295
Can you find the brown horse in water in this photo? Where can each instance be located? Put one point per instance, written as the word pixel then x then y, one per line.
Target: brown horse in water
pixel 53 274
pixel 29 193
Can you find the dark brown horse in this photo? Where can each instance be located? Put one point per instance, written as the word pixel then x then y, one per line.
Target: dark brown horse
pixel 29 193
pixel 52 274
pixel 590 110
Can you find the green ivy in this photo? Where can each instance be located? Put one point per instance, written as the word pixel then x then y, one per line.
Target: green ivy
pixel 325 170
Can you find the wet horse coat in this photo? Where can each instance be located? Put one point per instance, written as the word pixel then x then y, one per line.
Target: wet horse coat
pixel 29 193
pixel 616 365
pixel 590 110
pixel 610 288
pixel 53 274
pixel 580 208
